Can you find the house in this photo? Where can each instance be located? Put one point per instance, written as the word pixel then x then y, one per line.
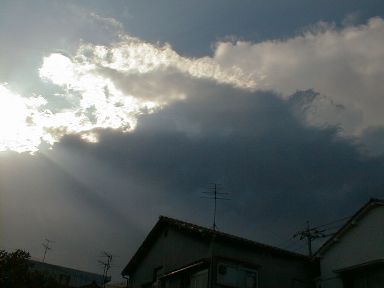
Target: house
pixel 177 254
pixel 354 256
pixel 69 277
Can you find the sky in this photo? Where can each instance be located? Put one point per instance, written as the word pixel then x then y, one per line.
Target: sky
pixel 115 112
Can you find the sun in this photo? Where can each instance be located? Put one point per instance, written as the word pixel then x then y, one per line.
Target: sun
pixel 18 132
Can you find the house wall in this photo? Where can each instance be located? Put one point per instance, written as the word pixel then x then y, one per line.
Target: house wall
pixel 171 250
pixel 361 244
pixel 274 270
pixel 174 249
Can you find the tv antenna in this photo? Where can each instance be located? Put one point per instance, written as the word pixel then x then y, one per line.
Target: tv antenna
pixel 47 246
pixel 214 194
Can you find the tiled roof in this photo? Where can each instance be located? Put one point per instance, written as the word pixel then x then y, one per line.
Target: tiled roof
pixel 221 236
pixel 206 234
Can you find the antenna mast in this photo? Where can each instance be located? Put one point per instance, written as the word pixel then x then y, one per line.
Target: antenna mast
pixel 214 194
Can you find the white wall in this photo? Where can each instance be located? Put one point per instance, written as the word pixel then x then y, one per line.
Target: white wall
pixel 364 242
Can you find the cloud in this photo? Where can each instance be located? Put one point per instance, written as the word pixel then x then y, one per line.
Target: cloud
pixel 343 65
pixel 110 86
pixel 235 118
pixel 373 139
pixel 134 56
pixel 21 120
pixel 336 63
pixel 278 171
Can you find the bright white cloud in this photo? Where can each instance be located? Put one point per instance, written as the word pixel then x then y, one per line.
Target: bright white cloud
pixel 20 118
pixel 132 55
pixel 59 69
pixel 91 77
pixel 100 103
pixel 345 66
pixel 110 86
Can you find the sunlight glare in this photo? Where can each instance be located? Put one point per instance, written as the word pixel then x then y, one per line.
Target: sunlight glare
pixel 18 116
pixel 58 68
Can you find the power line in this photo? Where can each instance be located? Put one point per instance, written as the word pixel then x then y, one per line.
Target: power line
pixel 298 247
pixel 310 234
pixel 332 222
pixel 331 228
pixel 287 244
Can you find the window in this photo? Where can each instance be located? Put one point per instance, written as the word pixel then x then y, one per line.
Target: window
pixel 236 276
pixel 199 279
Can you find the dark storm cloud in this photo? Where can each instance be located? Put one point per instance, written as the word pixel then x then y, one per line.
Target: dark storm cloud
pixel 279 171
pixel 373 139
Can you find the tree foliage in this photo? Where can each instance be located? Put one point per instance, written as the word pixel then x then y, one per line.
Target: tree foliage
pixel 16 272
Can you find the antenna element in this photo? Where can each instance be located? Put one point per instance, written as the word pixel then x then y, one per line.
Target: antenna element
pixel 214 194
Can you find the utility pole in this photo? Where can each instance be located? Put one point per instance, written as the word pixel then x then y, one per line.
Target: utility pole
pixel 310 234
pixel 106 265
pixel 47 247
pixel 214 194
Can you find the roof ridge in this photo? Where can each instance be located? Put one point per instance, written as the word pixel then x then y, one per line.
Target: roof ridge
pixel 197 229
pixel 39 262
pixel 356 216
pixel 231 236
